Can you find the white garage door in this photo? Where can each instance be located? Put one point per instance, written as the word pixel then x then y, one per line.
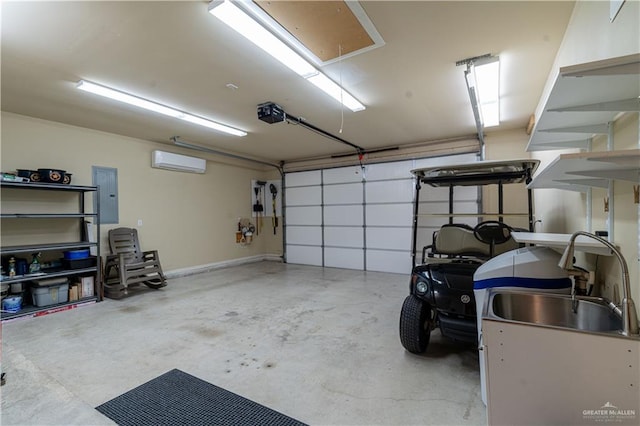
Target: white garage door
pixel 340 218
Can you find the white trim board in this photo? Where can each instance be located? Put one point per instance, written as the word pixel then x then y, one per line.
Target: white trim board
pixel 199 269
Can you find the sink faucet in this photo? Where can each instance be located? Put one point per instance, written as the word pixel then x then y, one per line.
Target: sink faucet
pixel 587 276
pixel 629 315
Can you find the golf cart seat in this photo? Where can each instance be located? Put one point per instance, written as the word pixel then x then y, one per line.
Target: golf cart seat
pixel 461 240
pixel 128 265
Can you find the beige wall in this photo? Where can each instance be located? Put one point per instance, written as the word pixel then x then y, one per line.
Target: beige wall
pixel 507 145
pixel 189 218
pixel 626 216
pixel 590 36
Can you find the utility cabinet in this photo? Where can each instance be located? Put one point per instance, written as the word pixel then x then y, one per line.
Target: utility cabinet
pixel 540 375
pixel 50 219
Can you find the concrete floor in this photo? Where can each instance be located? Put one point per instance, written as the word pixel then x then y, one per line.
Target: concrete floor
pixel 318 344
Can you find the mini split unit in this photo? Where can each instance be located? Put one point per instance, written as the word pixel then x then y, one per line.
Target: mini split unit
pixel 177 162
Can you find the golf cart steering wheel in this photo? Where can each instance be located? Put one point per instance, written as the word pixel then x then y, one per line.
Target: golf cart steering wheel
pixel 492 232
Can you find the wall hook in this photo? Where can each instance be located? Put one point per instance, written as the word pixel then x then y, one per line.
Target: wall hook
pixel 606 204
pixel 636 194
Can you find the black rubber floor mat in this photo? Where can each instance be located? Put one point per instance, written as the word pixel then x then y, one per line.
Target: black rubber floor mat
pixel 178 398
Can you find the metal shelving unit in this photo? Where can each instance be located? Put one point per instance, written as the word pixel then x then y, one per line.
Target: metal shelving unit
pixel 81 215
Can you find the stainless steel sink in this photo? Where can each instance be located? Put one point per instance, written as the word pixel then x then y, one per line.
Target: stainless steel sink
pixel 592 314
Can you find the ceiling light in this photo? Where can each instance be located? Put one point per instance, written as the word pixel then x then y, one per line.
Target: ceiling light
pixel 487 76
pixel 236 15
pixel 152 106
pixel 335 91
pixel 237 19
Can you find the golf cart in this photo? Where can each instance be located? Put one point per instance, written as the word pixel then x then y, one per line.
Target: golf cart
pixel 441 286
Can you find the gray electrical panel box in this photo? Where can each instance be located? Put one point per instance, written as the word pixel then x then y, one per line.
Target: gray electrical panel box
pixel 106 179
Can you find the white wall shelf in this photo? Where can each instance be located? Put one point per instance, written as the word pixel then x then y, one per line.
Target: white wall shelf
pixel 578 172
pixel 584 99
pixel 560 241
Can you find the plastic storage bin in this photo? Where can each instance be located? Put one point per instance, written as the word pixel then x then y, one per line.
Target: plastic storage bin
pixel 76 254
pixel 50 294
pixel 88 262
pixel 12 304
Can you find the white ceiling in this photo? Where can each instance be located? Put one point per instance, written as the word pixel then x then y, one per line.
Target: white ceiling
pixel 177 54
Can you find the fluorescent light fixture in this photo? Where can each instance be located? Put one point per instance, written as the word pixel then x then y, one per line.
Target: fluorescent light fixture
pixel 237 19
pixel 117 95
pixel 487 79
pixel 247 24
pixel 332 89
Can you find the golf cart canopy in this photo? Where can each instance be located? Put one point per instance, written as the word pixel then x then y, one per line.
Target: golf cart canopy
pixel 479 173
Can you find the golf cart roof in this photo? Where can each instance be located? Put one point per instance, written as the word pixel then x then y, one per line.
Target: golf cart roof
pixel 478 173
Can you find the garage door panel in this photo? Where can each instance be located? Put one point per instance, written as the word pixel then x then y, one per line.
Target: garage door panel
pixel 303 178
pixel 343 236
pixel 344 258
pixel 461 193
pixel 389 261
pixel 304 196
pixel 389 214
pixel 394 191
pixel 343 194
pixel 304 255
pixel 342 175
pixel 395 170
pixel 343 215
pixel 445 161
pixel 437 222
pixel 443 208
pixel 389 238
pixel 304 215
pixel 311 235
pixel 336 219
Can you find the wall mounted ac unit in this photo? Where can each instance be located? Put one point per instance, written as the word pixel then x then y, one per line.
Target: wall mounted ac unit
pixel 177 162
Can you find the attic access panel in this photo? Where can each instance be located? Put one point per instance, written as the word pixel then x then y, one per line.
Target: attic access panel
pixel 327 29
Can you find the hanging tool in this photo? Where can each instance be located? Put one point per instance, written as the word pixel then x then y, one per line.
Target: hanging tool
pixel 264 203
pixel 261 201
pixel 274 193
pixel 257 208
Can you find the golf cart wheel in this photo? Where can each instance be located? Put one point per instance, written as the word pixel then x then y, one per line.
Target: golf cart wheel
pixel 416 322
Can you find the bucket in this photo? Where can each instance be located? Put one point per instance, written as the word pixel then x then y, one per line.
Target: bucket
pixel 12 304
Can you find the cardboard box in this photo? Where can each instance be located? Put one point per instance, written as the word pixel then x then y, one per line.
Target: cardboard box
pixel 73 292
pixel 86 287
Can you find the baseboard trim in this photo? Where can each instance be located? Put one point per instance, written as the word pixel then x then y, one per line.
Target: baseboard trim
pixel 199 269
